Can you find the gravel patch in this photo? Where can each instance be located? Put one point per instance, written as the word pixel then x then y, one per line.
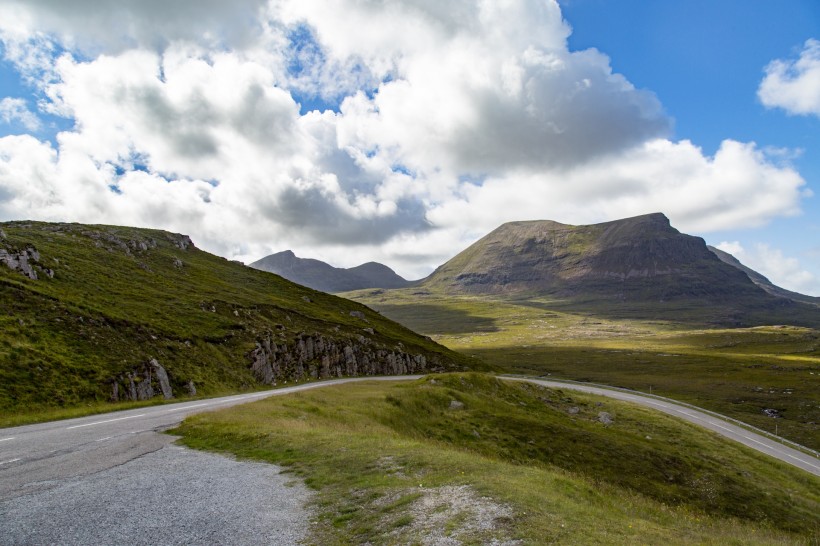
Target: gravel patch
pixel 171 496
pixel 452 516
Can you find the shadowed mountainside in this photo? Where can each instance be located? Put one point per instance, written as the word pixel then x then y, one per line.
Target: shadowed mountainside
pixel 762 281
pixel 322 276
pixel 637 267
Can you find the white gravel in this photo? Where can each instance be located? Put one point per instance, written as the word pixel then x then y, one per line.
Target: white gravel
pixel 171 496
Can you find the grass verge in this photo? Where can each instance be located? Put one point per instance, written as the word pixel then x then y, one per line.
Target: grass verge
pixel 467 457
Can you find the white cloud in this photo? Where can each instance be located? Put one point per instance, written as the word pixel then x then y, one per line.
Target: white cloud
pixel 455 117
pixel 15 110
pixel 794 85
pixel 784 271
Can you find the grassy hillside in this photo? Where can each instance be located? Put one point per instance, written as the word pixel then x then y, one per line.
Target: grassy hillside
pixel 738 372
pixel 107 300
pixel 470 458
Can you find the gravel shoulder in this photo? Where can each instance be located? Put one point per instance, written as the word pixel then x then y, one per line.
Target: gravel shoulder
pixel 170 496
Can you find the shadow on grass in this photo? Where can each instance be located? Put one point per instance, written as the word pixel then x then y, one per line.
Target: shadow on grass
pixel 437 319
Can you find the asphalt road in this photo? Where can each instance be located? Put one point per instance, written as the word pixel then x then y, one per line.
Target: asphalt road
pixel 721 426
pixel 38 457
pixel 104 465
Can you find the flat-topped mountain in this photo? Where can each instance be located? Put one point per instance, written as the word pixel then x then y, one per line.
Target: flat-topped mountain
pixel 641 266
pixel 322 276
pixel 95 313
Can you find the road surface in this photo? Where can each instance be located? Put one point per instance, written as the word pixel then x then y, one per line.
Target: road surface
pixel 110 478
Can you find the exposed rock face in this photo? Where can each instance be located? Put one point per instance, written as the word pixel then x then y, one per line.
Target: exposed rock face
pixel 162 378
pixel 20 261
pixel 316 356
pixel 319 275
pixel 143 384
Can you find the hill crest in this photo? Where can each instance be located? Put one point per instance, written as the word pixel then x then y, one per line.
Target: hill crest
pixel 320 275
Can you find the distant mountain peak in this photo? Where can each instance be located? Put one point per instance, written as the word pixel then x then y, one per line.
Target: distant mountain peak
pixel 633 263
pixel 322 276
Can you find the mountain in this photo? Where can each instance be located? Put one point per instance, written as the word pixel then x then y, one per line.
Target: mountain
pixel 637 267
pixel 96 313
pixel 319 275
pixel 762 281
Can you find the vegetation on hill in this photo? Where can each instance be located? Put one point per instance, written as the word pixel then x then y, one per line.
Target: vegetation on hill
pixel 471 458
pixel 767 376
pixel 108 301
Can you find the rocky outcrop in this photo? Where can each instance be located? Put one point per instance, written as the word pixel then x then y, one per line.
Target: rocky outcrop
pixel 25 262
pixel 143 384
pixel 316 356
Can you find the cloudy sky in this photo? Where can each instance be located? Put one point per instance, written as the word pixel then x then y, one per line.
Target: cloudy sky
pixel 403 130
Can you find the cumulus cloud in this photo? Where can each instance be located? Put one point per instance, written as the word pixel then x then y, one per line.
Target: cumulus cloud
pixel 780 269
pixel 94 27
pixel 449 118
pixel 794 84
pixel 14 110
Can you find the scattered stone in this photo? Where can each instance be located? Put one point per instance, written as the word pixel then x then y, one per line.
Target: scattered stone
pixel 574 410
pixel 178 263
pixel 605 418
pixel 773 413
pixel 456 405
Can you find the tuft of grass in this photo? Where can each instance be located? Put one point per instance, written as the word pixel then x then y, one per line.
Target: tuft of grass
pixel 374 451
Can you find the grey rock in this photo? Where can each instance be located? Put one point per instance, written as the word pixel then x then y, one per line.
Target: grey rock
pixel 191 388
pixel 771 412
pixel 456 405
pixel 3 234
pixel 20 261
pixel 162 377
pixel 605 418
pixel 306 299
pixel 574 410
pixel 318 356
pixel 178 263
pixel 357 314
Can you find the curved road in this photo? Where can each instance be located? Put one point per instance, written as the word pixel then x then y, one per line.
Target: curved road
pixel 707 420
pixel 70 461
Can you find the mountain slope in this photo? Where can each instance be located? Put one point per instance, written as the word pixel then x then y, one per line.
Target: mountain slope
pixel 762 281
pixel 319 275
pixel 640 267
pixel 99 312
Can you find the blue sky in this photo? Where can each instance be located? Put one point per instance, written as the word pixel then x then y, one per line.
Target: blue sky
pixel 402 130
pixel 704 60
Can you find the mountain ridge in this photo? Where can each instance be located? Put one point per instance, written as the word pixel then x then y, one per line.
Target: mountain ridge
pixel 641 266
pixel 322 276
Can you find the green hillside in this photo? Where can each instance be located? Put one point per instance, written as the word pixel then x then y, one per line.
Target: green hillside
pixel 91 313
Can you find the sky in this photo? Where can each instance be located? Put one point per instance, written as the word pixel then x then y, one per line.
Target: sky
pixel 401 131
